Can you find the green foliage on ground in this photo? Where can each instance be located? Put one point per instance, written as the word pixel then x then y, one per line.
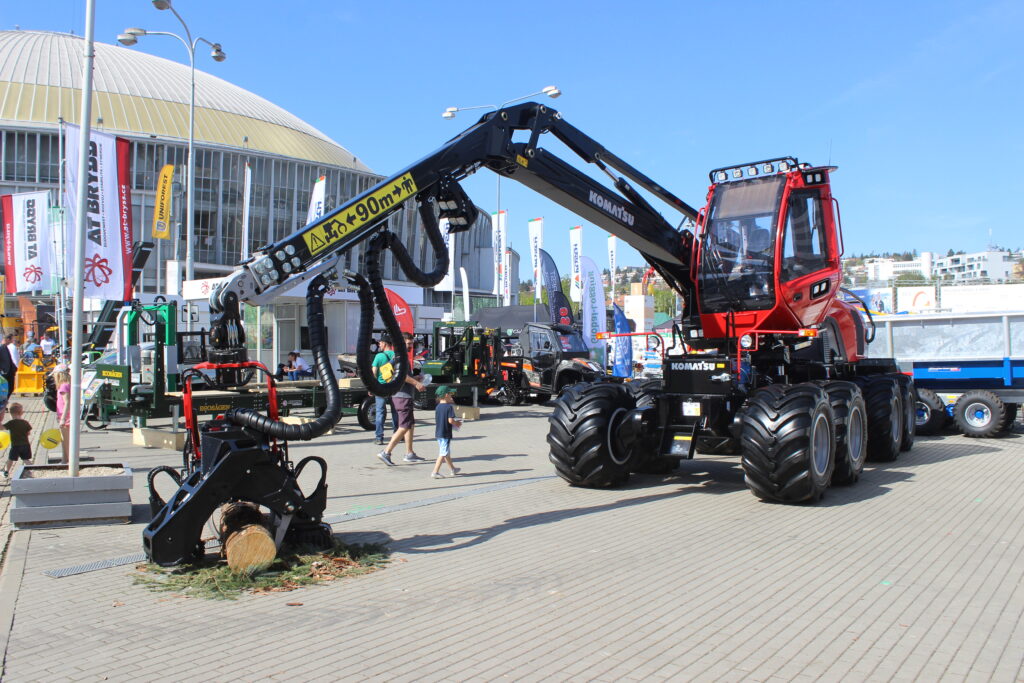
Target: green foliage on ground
pixel 213 579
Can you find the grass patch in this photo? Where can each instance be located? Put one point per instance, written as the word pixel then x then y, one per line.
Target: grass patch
pixel 212 579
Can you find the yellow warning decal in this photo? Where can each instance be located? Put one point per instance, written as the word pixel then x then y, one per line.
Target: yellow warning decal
pixel 381 201
pixel 521 160
pixel 681 437
pixel 719 365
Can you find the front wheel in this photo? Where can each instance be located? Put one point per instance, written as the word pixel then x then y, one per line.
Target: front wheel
pixel 908 395
pixel 930 416
pixel 788 442
pixel 583 432
pixel 885 416
pixel 851 430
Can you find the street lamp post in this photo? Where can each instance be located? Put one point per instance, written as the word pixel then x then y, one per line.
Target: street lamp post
pixel 449 113
pixel 129 38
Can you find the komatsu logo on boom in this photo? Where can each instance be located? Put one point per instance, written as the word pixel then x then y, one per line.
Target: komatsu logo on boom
pixel 611 207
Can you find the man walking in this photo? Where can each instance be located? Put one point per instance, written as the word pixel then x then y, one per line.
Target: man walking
pixel 9 360
pixel 385 355
pixel 402 402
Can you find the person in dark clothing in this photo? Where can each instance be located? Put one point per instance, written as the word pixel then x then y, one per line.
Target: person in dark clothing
pixel 444 421
pixel 8 366
pixel 21 447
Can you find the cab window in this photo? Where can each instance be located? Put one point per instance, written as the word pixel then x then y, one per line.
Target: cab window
pixel 539 340
pixel 805 249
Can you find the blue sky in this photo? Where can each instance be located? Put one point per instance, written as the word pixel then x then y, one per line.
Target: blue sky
pixel 918 103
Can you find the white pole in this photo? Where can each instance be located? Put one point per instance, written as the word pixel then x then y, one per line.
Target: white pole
pixel 79 283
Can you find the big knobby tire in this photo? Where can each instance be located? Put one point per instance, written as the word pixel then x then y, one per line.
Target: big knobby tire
pixel 788 441
pixel 930 415
pixel 885 416
pixel 645 459
pixel 851 421
pixel 367 415
pixel 582 435
pixel 908 394
pixel 979 414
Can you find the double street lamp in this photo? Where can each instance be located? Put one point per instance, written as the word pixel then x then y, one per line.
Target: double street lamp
pixel 130 37
pixel 449 113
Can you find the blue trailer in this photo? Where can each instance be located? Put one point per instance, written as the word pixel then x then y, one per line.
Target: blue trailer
pixel 968 368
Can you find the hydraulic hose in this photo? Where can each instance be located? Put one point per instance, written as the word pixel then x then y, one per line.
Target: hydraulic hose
pixel 246 417
pixel 372 296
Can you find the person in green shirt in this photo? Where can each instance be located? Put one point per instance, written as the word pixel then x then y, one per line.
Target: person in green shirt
pixel 383 370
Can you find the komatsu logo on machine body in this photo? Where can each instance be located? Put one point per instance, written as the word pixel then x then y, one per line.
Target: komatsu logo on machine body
pixel 694 365
pixel 611 207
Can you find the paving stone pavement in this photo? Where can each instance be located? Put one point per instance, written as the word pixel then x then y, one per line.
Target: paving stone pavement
pixel 914 573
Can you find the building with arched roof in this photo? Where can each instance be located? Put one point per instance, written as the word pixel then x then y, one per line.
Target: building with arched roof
pixel 145 99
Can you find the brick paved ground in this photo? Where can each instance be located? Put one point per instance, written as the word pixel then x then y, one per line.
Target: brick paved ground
pixel 914 573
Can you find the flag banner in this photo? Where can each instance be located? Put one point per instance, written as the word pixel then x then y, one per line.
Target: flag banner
pixel 498 238
pixel 558 306
pixel 465 293
pixel 506 281
pixel 316 200
pixel 536 242
pixel 162 205
pixel 107 255
pixel 28 248
pixel 403 314
pixel 612 248
pixel 575 253
pixel 594 315
pixel 246 203
pixel 447 283
pixel 622 347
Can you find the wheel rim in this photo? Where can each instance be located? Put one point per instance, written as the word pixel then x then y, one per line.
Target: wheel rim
pixel 820 446
pixel 612 424
pixel 896 419
pixel 923 414
pixel 855 435
pixel 978 415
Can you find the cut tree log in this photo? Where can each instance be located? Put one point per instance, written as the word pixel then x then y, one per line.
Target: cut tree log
pixel 245 540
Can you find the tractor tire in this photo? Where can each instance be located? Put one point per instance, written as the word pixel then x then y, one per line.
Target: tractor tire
pixel 908 394
pixel 1010 419
pixel 643 392
pixel 883 398
pixel 851 420
pixel 581 434
pixel 788 441
pixel 979 414
pixel 367 414
pixel 930 415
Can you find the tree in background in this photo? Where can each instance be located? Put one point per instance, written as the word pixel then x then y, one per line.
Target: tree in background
pixel 912 276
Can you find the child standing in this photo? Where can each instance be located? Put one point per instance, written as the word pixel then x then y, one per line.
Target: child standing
pixel 445 420
pixel 21 448
pixel 62 378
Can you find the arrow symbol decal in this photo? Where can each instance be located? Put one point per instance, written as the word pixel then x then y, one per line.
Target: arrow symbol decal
pixel 350 218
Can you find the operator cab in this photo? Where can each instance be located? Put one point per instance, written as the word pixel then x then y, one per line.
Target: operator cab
pixel 768 250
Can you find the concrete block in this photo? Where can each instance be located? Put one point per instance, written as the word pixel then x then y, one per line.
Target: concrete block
pixel 350 383
pixel 158 438
pixel 467 412
pixel 59 500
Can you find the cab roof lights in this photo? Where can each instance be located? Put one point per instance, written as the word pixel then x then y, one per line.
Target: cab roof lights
pixel 753 169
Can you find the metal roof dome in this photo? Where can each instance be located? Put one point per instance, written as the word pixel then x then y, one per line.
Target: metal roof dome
pixel 142 95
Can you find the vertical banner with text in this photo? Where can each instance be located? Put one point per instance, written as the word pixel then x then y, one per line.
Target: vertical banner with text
pixel 536 243
pixel 316 200
pixel 162 204
pixel 558 306
pixel 506 281
pixel 107 255
pixel 575 253
pixel 447 283
pixel 246 203
pixel 612 248
pixel 28 249
pixel 622 347
pixel 594 315
pixel 498 245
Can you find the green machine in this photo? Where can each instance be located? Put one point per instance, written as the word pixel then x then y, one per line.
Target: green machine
pixel 464 356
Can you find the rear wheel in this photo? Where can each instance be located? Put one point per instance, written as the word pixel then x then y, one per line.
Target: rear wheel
pixel 885 416
pixel 788 442
pixel 851 423
pixel 908 395
pixel 648 461
pixel 930 416
pixel 367 413
pixel 582 435
pixel 979 414
pixel 1009 419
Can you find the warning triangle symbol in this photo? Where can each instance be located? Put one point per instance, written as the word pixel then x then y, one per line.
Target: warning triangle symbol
pixel 317 243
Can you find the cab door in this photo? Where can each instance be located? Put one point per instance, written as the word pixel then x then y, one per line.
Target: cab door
pixel 809 267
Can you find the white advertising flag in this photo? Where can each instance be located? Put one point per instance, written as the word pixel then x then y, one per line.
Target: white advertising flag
pixel 108 249
pixel 575 253
pixel 447 283
pixel 611 262
pixel 465 293
pixel 27 245
pixel 316 200
pixel 506 281
pixel 246 191
pixel 498 246
pixel 594 316
pixel 536 244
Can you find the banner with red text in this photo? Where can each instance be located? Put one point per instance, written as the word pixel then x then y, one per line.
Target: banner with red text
pixel 28 247
pixel 108 248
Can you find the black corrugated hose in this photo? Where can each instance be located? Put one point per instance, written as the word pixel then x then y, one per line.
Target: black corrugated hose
pixel 372 294
pixel 246 417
